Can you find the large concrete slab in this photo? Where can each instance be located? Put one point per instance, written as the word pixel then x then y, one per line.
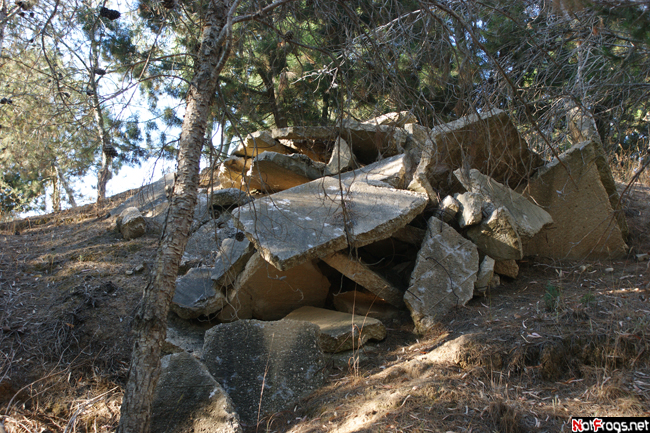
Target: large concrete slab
pixel 399 119
pixel 342 158
pixel 274 293
pixel 340 331
pixel 318 218
pixel 585 224
pixel 444 275
pixel 360 273
pixel 486 141
pixel 265 365
pixel 187 399
pixel 528 218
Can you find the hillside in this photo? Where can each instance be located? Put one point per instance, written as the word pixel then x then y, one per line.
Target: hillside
pixel 564 338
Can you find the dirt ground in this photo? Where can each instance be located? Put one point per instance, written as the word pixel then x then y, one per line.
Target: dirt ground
pixel 563 339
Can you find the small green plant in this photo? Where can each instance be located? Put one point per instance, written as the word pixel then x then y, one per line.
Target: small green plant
pixel 588 299
pixel 552 297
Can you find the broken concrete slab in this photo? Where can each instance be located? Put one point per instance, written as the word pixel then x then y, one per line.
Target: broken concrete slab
pixel 497 236
pixel 507 268
pixel 184 335
pixel 277 172
pixel 342 158
pixel 365 304
pixel 372 142
pixel 310 221
pixel 444 275
pixel 582 127
pixel 487 141
pixel 471 209
pixel 131 223
pixel 188 399
pixel 324 133
pixel 231 260
pixel 360 273
pixel 228 198
pixel 196 294
pixel 399 119
pixel 584 222
pixel 340 331
pixel 282 359
pixel 485 275
pixel 527 217
pixel 387 172
pixel 449 209
pixel 203 245
pixel 274 293
pixel 232 173
pixel 258 143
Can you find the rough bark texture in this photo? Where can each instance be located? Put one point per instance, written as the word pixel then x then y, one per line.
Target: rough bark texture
pixel 150 322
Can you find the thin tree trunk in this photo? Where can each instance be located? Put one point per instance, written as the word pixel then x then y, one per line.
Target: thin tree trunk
pixel 56 192
pixel 66 186
pixel 150 322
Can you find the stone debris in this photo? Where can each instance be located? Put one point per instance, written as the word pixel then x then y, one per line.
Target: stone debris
pixel 585 224
pixel 444 275
pixel 485 275
pixel 283 358
pixel 342 158
pixel 449 209
pixel 231 260
pixel 305 217
pixel 471 209
pixel 528 218
pixel 507 268
pixel 358 272
pixel 258 143
pixel 131 223
pixel 340 331
pixel 187 399
pixel 497 236
pixel 399 119
pixel 196 294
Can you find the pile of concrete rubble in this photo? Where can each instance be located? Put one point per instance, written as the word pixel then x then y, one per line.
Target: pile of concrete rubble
pixel 350 227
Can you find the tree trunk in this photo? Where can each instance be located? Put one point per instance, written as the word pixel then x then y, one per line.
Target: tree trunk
pixel 56 192
pixel 66 186
pixel 150 322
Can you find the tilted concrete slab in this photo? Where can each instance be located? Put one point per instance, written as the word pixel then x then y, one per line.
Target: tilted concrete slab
pixel 585 224
pixel 487 141
pixel 340 331
pixel 389 171
pixel 196 295
pixel 274 293
pixel 277 172
pixel 318 218
pixel 231 260
pixel 259 142
pixel 444 275
pixel 360 273
pixel 527 217
pixel 342 158
pixel 399 118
